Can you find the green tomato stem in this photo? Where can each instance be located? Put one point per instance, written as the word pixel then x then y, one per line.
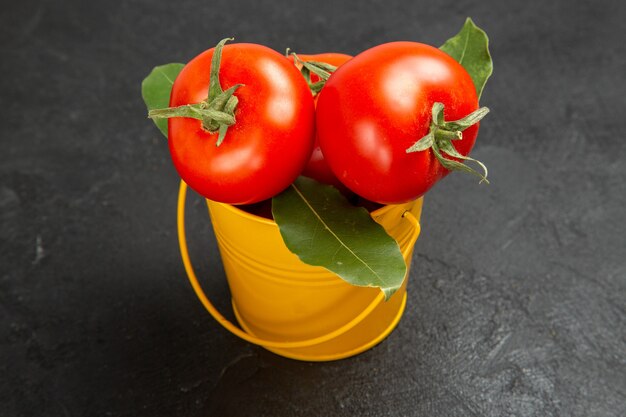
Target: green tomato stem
pixel 322 69
pixel 217 112
pixel 439 140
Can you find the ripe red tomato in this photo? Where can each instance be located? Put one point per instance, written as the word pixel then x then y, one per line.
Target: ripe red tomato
pixel 317 168
pixel 271 140
pixel 377 105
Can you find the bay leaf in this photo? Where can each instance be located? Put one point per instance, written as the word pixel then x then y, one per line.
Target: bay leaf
pixel 156 89
pixel 470 48
pixel 322 228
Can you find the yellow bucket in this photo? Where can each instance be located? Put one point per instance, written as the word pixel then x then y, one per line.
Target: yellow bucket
pixel 290 308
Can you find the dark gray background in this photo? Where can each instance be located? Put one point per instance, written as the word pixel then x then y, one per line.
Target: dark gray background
pixel 517 298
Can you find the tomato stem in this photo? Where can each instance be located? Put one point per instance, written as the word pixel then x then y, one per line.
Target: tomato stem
pixel 217 112
pixel 441 135
pixel 322 69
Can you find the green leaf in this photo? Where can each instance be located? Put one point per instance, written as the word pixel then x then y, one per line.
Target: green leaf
pixel 470 48
pixel 156 89
pixel 322 228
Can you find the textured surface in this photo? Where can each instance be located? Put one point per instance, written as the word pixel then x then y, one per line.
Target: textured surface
pixel 517 299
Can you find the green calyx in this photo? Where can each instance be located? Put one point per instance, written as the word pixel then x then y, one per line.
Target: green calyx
pixel 217 112
pixel 321 69
pixel 440 138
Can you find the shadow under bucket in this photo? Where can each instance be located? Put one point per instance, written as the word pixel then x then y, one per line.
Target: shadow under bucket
pixel 293 309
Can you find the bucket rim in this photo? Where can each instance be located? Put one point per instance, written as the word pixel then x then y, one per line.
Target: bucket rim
pixel 260 219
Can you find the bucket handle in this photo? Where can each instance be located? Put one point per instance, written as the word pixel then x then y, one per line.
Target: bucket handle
pixel 193 279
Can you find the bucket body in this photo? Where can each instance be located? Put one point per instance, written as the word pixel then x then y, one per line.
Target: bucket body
pixel 277 297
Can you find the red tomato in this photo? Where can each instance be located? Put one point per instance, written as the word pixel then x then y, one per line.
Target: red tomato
pixel 377 105
pixel 317 168
pixel 271 141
